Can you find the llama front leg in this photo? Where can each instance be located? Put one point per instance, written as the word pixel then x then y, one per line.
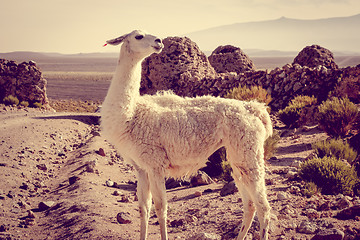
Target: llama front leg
pixel 144 197
pixel 157 186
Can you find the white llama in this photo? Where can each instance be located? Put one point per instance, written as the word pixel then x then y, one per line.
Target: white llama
pixel 167 135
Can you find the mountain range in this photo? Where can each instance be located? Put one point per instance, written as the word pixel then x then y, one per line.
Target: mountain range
pixel 340 34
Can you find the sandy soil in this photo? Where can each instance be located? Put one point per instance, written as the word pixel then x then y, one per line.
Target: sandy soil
pixel 54 186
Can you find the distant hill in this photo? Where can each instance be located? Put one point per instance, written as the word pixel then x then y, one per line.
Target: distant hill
pixel 339 34
pixel 41 56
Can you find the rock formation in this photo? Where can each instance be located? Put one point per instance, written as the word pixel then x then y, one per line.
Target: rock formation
pixel 315 55
pixel 24 81
pixel 179 66
pixel 228 58
pixel 184 69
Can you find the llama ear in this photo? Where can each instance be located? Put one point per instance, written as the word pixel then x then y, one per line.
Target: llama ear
pixel 116 41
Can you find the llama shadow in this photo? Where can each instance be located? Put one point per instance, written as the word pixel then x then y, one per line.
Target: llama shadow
pixel 191 196
pixel 87 119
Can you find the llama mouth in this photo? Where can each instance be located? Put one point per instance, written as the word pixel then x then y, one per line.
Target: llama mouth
pixel 158 48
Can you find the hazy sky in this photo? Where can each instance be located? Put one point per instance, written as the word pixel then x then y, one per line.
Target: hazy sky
pixel 73 26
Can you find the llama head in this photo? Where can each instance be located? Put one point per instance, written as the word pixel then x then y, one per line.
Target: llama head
pixel 138 43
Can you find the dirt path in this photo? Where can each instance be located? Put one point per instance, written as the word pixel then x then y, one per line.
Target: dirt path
pixel 56 159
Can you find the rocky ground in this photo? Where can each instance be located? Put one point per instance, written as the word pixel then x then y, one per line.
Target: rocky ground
pixel 61 180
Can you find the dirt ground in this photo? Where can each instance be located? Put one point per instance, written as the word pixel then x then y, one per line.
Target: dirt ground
pixel 57 182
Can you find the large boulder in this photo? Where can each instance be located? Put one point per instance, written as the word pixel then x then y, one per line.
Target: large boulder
pixel 315 55
pixel 180 66
pixel 230 59
pixel 24 81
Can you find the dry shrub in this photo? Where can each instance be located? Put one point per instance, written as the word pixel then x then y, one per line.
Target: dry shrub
pixel 348 87
pixel 270 145
pixel 330 174
pixel 335 148
pixel 244 93
pixel 11 100
pixel 299 111
pixel 336 116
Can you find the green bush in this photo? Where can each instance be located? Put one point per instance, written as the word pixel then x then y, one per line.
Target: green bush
pixel 24 103
pixel 336 116
pixel 310 189
pixel 299 111
pixel 330 174
pixel 11 100
pixel 227 170
pixel 337 148
pixel 270 145
pixel 37 105
pixel 244 93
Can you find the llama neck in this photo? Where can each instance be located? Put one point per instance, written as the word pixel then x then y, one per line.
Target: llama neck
pixel 125 85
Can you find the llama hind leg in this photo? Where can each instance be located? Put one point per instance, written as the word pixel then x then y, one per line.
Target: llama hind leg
pixel 157 186
pixel 144 197
pixel 249 207
pixel 255 190
pixel 258 193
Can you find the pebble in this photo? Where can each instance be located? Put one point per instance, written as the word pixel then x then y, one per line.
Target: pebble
pixel 73 179
pixel 312 213
pixel 101 152
pixel 281 196
pixel 307 227
pixel 123 218
pixel 177 223
pixel 42 166
pixel 46 205
pixel 30 214
pixel 109 183
pixel 116 193
pixel 229 188
pixel 197 194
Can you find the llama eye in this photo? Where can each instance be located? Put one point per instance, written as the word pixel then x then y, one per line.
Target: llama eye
pixel 138 37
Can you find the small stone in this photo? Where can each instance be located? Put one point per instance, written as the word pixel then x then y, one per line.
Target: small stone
pixel 29 221
pixel 342 203
pixel 116 193
pixel 349 213
pixel 312 213
pixel 307 227
pixel 24 186
pixel 123 218
pixel 3 228
pixel 201 179
pixel 329 234
pixel 101 152
pixel 177 223
pixel 281 196
pixel 73 179
pixel 42 167
pixel 124 199
pixel 90 166
pixel 30 214
pixel 229 188
pixel 109 183
pixel 197 194
pixel 11 194
pixel 61 154
pixel 46 205
pixel 324 207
